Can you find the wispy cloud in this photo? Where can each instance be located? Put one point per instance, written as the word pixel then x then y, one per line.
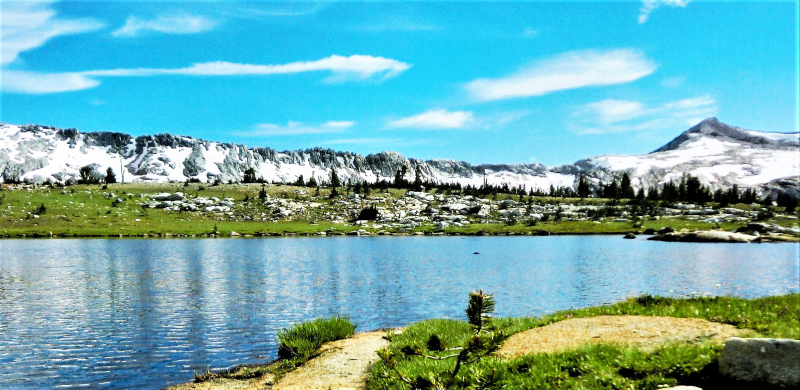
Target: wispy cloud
pixel 648 6
pixel 434 119
pixel 273 10
pixel 617 116
pixel 28 25
pixel 566 71
pixel 179 23
pixel 363 66
pixel 298 128
pixel 41 83
pixel 342 68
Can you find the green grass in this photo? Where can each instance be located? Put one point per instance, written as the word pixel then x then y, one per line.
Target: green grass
pixel 600 366
pixel 302 340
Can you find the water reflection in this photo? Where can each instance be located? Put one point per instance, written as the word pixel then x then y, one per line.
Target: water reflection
pixel 146 313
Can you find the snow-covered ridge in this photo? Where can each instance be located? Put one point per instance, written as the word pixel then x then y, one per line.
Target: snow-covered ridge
pixel 42 153
pixel 720 155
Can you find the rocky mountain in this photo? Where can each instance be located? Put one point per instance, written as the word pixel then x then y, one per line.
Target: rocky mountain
pixel 720 155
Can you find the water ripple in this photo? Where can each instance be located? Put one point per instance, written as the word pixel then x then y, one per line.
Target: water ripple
pixel 120 314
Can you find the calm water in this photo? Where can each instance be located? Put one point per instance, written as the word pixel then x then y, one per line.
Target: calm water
pixel 147 313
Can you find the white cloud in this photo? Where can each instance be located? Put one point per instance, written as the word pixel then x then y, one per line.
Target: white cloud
pixel 38 83
pixel 648 6
pixel 28 25
pixel 355 66
pixel 617 116
pixel 298 128
pixel 434 119
pixel 169 24
pixel 566 71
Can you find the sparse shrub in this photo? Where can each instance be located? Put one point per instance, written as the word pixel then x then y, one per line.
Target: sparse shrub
pixel 764 215
pixel 369 213
pixel 40 210
pixel 88 175
pixel 301 340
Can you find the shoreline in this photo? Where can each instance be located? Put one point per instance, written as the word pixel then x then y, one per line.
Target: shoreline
pixel 641 327
pixel 264 235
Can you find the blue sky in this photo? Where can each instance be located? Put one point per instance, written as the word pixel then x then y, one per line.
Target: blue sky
pixel 518 82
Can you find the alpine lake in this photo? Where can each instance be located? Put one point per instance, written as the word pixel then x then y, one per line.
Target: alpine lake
pixel 133 313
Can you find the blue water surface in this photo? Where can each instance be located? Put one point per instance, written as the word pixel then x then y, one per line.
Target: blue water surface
pixel 123 314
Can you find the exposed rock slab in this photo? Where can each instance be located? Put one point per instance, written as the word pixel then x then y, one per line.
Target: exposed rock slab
pixel 646 332
pixel 773 362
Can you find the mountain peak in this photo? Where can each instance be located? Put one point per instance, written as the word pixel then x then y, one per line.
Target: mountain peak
pixel 713 128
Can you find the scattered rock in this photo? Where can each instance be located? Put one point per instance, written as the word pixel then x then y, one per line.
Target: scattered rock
pixel 666 229
pixel 649 232
pixel 773 362
pixel 235 234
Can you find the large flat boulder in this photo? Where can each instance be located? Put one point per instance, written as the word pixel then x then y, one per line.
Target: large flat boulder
pixel 706 236
pixel 774 362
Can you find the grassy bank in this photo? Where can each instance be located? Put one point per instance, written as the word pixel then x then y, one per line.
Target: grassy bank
pixel 603 366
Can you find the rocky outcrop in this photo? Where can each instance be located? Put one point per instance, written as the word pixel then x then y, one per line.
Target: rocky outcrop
pixel 773 362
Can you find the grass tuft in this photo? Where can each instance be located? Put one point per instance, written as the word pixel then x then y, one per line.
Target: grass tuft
pixel 302 340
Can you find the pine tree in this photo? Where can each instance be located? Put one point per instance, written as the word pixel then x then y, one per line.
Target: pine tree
pixel 583 188
pixel 111 178
pixel 335 182
pixel 417 179
pixel 249 176
pixel 626 189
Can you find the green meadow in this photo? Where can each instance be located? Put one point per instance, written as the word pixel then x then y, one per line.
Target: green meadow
pixel 84 211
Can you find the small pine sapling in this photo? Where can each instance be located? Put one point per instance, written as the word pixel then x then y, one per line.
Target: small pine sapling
pixel 485 340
